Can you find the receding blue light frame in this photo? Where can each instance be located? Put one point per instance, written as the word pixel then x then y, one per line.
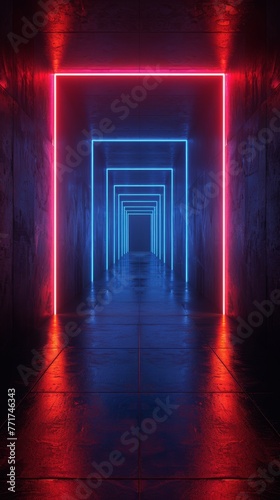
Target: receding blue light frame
pixel 172 222
pixel 151 212
pixel 156 169
pixel 145 194
pixel 123 226
pixel 161 186
pixel 92 212
pixel 151 224
pixel 138 140
pixel 107 221
pixel 147 208
pixel 93 141
pixel 114 249
pixel 158 217
pixel 152 246
pixel 159 205
pixel 186 213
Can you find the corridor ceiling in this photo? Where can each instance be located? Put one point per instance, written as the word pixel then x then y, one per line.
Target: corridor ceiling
pixel 141 36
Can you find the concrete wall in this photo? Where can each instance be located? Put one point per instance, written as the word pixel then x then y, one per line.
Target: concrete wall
pixel 25 200
pixel 254 180
pixel 205 197
pixel 100 212
pixel 73 208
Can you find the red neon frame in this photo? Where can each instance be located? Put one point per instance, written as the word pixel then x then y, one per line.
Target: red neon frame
pixel 121 74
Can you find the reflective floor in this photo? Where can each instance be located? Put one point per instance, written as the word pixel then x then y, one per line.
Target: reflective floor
pixel 139 392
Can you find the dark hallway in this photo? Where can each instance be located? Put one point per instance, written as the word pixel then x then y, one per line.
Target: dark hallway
pixel 140 249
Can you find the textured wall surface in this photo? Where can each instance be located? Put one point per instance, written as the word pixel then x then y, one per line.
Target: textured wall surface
pixel 73 209
pixel 205 198
pixel 6 204
pixel 254 180
pixel 26 177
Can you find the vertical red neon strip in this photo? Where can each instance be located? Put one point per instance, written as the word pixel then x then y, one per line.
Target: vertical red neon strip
pixel 224 194
pixel 54 198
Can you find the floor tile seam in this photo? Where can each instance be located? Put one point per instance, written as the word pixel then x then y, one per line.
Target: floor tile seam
pixel 30 390
pixel 247 394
